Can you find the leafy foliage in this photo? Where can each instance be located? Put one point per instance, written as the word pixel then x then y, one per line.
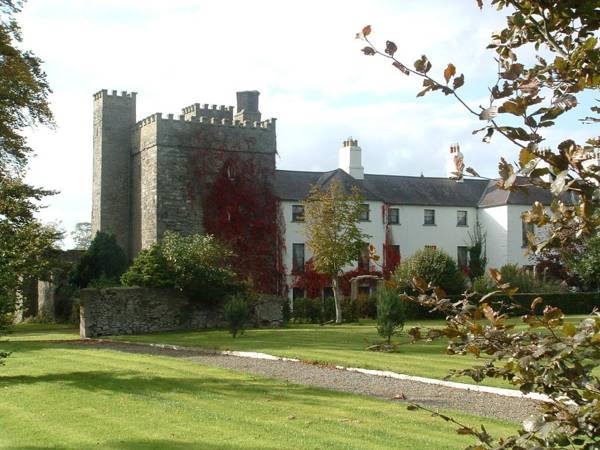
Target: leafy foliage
pixel 102 264
pixel 235 312
pixel 322 310
pixel 200 265
pixel 584 262
pixel 25 243
pixel 430 264
pixel 332 233
pixel 391 313
pixel 82 235
pixel 149 268
pixel 557 359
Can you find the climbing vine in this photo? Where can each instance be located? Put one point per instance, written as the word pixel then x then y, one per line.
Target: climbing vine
pixel 241 209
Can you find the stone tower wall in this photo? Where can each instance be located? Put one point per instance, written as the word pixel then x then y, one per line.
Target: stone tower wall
pixel 114 117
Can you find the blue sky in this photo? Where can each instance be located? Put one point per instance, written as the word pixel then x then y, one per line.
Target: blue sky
pixel 301 56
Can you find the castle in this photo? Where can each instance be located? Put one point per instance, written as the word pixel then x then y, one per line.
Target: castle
pixel 182 173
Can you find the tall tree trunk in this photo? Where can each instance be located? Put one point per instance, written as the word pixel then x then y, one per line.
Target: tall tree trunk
pixel 338 296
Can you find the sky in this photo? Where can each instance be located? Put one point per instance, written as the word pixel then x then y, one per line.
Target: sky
pixel 303 58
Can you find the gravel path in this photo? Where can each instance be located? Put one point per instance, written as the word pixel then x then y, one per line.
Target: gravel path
pixel 432 396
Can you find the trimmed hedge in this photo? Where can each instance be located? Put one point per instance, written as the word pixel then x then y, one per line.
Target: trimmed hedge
pixel 316 310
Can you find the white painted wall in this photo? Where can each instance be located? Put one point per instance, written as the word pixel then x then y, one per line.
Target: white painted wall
pixel 494 222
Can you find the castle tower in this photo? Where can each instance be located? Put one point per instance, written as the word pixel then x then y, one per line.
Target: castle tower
pixel 350 159
pixel 114 117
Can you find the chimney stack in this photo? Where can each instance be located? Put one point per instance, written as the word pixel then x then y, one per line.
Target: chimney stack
pixel 455 162
pixel 247 107
pixel 350 159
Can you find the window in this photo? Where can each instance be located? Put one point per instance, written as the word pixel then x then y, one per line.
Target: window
pixel 364 213
pixel 363 257
pixel 297 258
pixel 393 216
pixel 430 247
pixel 462 257
pixel 297 213
pixel 297 293
pixel 526 228
pixel 461 218
pixel 429 218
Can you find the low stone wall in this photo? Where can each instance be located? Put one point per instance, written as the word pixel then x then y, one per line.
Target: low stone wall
pixel 134 310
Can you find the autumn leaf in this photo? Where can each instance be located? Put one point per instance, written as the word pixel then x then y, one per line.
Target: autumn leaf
pixel 366 30
pixel 496 275
pixel 449 72
pixel 480 4
pixel 458 81
pixel 369 51
pixel 390 48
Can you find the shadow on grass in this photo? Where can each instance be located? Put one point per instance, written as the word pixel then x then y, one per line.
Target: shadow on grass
pixel 150 444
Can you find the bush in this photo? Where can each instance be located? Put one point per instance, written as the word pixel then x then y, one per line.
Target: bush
pixel 317 310
pixel 104 260
pixel 366 307
pixel 200 267
pixel 149 269
pixel 585 262
pixel 391 314
pixel 517 277
pixel 236 314
pixel 433 266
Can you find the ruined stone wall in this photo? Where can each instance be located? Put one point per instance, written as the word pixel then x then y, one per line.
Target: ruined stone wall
pixel 134 310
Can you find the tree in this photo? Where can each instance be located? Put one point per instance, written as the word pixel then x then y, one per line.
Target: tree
pixel 24 242
pixel 332 233
pixel 584 262
pixel 82 235
pixel 103 263
pixel 391 313
pixel 551 356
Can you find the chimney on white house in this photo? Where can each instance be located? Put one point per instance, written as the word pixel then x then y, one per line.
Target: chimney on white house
pixel 455 163
pixel 350 156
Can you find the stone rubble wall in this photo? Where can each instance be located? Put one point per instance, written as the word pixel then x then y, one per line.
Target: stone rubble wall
pixel 135 310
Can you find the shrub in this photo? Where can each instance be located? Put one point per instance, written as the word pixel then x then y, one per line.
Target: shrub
pixel 236 314
pixel 104 260
pixel 391 314
pixel 150 269
pixel 517 277
pixel 432 265
pixel 200 267
pixel 366 306
pixel 317 310
pixel 585 262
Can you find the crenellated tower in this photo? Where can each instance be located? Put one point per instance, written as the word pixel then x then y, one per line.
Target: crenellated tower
pixel 114 118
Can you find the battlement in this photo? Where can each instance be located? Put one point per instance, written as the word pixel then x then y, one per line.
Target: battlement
pixel 123 94
pixel 198 110
pixel 268 124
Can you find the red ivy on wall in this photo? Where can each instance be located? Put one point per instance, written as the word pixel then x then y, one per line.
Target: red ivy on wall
pixel 241 209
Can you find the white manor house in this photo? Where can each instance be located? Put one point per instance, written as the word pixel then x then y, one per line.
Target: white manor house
pixel 410 213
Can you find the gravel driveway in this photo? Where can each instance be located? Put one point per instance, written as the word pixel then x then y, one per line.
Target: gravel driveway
pixel 430 395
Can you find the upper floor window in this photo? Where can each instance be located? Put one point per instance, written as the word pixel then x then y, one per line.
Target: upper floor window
pixel 462 257
pixel 429 217
pixel 297 213
pixel 461 218
pixel 297 258
pixel 393 216
pixel 364 213
pixel 526 229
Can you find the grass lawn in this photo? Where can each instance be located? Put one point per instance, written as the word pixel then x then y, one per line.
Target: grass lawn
pixel 57 397
pixel 341 344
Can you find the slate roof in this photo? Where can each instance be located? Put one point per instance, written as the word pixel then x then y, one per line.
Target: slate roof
pixel 407 190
